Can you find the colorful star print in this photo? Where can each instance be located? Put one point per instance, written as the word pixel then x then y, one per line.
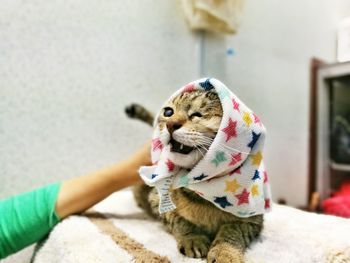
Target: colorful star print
pixel 189 88
pixel 232 186
pixel 235 105
pixel 223 94
pixel 222 201
pixel 236 171
pixel 206 85
pixel 256 158
pixel 256 119
pixel 230 129
pixel 254 190
pixel 265 177
pixel 219 158
pixel 154 176
pixel 256 175
pixel 170 165
pixel 200 177
pixel 246 118
pixel 156 144
pixel 243 198
pixel 255 138
pixel 184 180
pixel 235 158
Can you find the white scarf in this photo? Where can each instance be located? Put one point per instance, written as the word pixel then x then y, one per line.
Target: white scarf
pixel 232 174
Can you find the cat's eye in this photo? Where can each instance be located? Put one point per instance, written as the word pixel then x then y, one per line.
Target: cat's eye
pixel 168 112
pixel 195 114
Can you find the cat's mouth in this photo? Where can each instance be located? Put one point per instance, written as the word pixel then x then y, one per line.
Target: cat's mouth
pixel 180 147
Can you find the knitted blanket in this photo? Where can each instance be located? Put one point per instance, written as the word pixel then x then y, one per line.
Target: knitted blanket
pixel 118 231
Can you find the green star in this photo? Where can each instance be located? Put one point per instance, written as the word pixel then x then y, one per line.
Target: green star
pixel 223 93
pixel 184 180
pixel 219 158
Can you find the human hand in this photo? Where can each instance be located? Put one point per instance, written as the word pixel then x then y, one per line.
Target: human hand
pixel 142 156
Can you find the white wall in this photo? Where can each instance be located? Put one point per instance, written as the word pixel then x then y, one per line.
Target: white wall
pixel 68 68
pixel 270 72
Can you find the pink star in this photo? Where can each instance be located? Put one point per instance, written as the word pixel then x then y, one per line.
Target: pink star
pixel 235 158
pixel 243 198
pixel 236 171
pixel 189 88
pixel 256 119
pixel 230 129
pixel 267 203
pixel 235 105
pixel 156 144
pixel 170 165
pixel 265 177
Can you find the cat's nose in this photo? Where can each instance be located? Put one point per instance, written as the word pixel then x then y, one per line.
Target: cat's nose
pixel 173 126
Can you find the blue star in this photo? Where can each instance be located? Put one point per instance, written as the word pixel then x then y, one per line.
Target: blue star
pixel 206 85
pixel 222 201
pixel 154 175
pixel 255 138
pixel 256 175
pixel 200 178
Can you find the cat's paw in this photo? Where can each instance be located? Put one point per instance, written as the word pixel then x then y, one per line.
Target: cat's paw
pixel 225 253
pixel 195 246
pixel 132 110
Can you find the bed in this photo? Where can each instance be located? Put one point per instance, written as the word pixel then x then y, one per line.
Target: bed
pixel 116 230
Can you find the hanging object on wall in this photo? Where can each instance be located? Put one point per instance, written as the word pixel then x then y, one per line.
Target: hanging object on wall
pixel 213 15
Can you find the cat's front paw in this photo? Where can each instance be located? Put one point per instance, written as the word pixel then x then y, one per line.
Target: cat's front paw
pixel 195 246
pixel 132 110
pixel 225 253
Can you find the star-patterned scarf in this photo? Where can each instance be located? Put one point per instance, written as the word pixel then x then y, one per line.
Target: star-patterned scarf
pixel 231 174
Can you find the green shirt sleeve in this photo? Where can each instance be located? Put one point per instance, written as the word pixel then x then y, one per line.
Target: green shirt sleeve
pixel 27 218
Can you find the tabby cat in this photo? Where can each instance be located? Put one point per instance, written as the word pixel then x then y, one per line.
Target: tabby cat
pixel 200 228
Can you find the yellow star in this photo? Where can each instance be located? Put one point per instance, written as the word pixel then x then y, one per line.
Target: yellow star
pixel 246 118
pixel 255 190
pixel 232 186
pixel 256 158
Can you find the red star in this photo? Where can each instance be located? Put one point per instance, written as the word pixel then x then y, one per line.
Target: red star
pixel 243 198
pixel 236 171
pixel 256 119
pixel 170 165
pixel 265 177
pixel 267 203
pixel 235 105
pixel 235 158
pixel 156 144
pixel 230 129
pixel 189 88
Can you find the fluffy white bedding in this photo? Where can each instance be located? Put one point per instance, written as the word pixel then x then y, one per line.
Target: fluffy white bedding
pixel 289 235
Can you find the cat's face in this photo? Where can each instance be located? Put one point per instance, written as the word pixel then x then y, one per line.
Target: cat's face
pixel 189 123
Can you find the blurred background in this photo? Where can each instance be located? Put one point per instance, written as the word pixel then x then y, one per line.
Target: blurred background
pixel 68 69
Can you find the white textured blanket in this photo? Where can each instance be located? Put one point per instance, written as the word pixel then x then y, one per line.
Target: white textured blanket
pixel 120 232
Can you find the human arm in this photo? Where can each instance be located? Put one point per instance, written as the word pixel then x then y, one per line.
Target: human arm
pixel 80 193
pixel 28 217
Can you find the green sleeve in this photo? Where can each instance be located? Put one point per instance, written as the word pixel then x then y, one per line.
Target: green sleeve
pixel 27 218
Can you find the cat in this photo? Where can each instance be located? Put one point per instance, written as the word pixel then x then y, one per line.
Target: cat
pixel 199 227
